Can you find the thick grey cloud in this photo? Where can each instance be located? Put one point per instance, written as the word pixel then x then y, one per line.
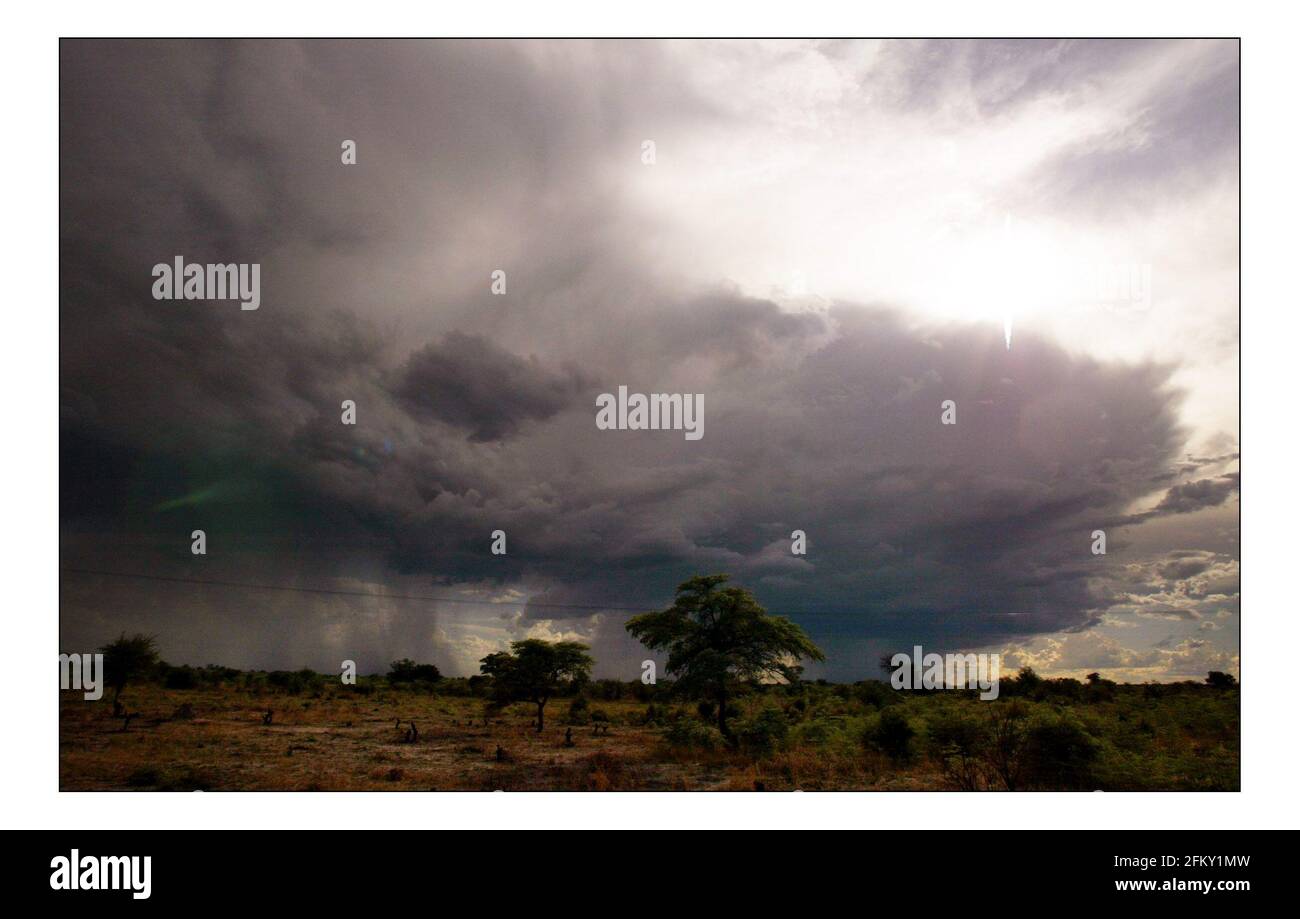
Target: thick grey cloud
pixel 467 381
pixel 476 412
pixel 1193 496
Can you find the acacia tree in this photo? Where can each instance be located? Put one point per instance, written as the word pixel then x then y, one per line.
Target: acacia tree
pixel 1220 680
pixel 129 659
pixel 718 636
pixel 408 671
pixel 534 670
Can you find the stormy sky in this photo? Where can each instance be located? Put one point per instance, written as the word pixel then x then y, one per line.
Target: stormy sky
pixel 832 240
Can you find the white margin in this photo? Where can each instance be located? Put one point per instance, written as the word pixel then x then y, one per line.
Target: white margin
pixel 1271 747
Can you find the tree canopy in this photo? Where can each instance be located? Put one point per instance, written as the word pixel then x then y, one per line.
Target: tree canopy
pixel 408 671
pixel 129 658
pixel 533 670
pixel 1220 680
pixel 717 635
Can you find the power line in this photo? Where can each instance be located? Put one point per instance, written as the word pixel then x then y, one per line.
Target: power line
pixel 341 593
pixel 593 607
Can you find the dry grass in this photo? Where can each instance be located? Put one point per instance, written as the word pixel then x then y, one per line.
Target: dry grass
pixel 346 742
pixel 334 739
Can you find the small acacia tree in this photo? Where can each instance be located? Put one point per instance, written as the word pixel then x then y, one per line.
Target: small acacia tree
pixel 127 659
pixel 1220 680
pixel 717 636
pixel 408 671
pixel 534 670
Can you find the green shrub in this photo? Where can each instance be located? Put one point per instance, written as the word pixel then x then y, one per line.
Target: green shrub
pixel 408 671
pixel 815 732
pixel 875 693
pixel 763 733
pixel 1060 754
pixel 579 711
pixel 691 734
pixel 959 740
pixel 892 735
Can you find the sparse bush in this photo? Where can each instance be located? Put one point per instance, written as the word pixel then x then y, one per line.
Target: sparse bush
pixel 408 671
pixel 892 735
pixel 294 682
pixel 1060 754
pixel 1007 738
pixel 958 741
pixel 579 711
pixel 815 732
pixel 1220 680
pixel 763 733
pixel 875 693
pixel 607 690
pixel 691 734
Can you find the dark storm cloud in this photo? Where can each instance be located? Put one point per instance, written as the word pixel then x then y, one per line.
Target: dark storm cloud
pixel 1184 567
pixel 1203 493
pixel 476 413
pixel 467 381
pixel 917 531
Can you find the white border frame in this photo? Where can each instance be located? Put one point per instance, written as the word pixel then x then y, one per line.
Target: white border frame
pixel 1270 636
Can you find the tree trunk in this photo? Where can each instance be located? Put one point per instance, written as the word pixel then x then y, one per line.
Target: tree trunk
pixel 722 714
pixel 540 706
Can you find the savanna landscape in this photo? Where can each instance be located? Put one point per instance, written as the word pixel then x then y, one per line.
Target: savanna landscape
pixel 214 728
pixel 401 384
pixel 813 736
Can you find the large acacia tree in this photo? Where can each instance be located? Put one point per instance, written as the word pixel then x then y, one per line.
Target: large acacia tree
pixel 534 670
pixel 719 636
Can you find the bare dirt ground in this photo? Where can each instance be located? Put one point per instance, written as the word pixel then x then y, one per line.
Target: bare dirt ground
pixel 354 743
